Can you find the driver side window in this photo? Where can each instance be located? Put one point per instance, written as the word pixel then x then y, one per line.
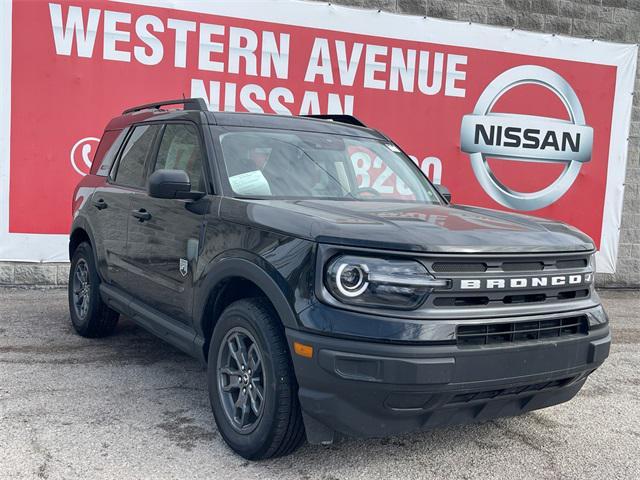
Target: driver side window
pixel 180 150
pixel 130 169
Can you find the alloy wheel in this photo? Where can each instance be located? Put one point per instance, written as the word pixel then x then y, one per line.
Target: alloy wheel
pixel 241 379
pixel 81 289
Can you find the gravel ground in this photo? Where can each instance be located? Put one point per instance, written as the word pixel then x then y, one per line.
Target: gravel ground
pixel 130 406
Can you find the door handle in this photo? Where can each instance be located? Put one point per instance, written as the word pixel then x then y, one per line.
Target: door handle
pixel 100 204
pixel 142 215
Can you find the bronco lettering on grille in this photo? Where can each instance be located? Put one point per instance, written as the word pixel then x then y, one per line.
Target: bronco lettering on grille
pixel 525 282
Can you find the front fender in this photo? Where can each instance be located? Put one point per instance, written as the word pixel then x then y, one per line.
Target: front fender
pixel 249 266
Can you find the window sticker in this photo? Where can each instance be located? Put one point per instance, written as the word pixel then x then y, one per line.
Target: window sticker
pixel 250 183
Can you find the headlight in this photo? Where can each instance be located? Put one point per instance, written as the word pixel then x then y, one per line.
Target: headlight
pixel 379 282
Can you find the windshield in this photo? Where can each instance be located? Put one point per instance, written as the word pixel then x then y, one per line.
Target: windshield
pixel 266 163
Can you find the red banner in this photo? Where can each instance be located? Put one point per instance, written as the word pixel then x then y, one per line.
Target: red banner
pixel 528 131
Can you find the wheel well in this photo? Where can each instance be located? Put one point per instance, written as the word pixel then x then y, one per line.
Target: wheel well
pixel 77 237
pixel 223 295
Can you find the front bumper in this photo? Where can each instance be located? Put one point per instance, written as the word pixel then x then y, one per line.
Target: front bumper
pixel 365 389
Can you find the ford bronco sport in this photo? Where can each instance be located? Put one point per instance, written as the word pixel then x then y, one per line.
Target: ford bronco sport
pixel 328 286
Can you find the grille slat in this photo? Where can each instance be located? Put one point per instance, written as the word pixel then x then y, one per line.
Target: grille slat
pixel 522 266
pixel 459 267
pixel 507 299
pixel 460 301
pixel 512 332
pixel 574 263
pixel 509 265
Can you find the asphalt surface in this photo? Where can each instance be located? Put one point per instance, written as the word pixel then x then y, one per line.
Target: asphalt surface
pixel 130 406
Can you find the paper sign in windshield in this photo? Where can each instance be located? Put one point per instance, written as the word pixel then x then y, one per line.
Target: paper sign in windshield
pixel 250 183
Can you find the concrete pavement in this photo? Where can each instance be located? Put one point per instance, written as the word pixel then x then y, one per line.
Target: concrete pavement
pixel 130 406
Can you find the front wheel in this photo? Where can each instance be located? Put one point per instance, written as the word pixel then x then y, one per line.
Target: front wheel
pixel 252 386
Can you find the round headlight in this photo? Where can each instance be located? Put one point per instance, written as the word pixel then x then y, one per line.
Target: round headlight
pixel 394 283
pixel 352 279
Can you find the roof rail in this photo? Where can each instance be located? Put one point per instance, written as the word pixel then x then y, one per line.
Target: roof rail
pixel 189 104
pixel 350 119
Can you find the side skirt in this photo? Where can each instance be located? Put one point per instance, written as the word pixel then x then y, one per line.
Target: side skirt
pixel 177 334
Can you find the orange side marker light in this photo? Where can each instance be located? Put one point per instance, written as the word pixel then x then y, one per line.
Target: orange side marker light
pixel 303 350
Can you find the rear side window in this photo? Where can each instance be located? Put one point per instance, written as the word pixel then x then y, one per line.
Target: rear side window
pixel 180 150
pixel 130 171
pixel 107 150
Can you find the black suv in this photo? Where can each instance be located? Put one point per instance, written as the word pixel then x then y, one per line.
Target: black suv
pixel 328 286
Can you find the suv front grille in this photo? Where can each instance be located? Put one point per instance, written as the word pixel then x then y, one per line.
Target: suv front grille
pixel 516 279
pixel 512 332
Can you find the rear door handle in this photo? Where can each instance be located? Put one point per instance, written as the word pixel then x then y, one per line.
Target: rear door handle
pixel 100 204
pixel 142 215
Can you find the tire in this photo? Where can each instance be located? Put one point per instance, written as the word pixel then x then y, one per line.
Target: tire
pixel 90 316
pixel 273 425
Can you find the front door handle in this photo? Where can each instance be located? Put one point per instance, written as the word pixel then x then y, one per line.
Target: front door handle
pixel 100 204
pixel 142 215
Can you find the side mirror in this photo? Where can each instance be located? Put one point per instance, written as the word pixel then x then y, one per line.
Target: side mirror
pixel 171 184
pixel 444 191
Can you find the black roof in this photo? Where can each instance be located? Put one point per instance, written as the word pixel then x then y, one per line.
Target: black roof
pixel 290 122
pixel 195 110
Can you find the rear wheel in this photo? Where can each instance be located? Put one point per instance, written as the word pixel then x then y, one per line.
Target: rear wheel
pixel 90 316
pixel 252 386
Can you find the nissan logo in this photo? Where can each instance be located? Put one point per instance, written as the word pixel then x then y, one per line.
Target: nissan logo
pixel 485 134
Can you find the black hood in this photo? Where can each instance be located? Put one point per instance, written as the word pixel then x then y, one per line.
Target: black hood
pixel 408 226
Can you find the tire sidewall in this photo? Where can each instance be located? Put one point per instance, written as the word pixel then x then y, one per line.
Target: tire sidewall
pixel 251 444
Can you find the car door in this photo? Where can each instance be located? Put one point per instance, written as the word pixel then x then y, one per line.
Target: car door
pixel 164 235
pixel 111 203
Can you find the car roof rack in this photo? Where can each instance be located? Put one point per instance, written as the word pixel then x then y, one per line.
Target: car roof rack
pixel 349 119
pixel 189 104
